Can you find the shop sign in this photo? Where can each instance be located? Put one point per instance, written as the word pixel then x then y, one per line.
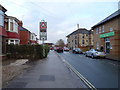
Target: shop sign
pixel 107 34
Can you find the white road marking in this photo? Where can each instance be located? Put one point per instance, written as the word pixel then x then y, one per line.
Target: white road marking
pixel 78 74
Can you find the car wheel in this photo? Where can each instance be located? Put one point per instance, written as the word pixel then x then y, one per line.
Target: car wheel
pixel 92 56
pixel 104 57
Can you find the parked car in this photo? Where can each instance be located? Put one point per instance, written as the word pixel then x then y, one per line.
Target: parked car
pixel 95 53
pixel 59 49
pixel 85 52
pixel 77 50
pixel 66 49
pixel 51 48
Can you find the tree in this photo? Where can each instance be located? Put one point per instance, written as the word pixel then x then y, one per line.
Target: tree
pixel 60 43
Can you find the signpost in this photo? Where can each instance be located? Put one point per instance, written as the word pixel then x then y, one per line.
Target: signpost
pixel 43 30
pixel 43 33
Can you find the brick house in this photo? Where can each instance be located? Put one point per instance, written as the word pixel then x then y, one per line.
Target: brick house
pixel 24 35
pixel 107 35
pixel 81 38
pixel 33 38
pixel 13 30
pixel 3 33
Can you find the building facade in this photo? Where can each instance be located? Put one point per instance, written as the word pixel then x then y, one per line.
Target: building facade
pixel 3 33
pixel 81 38
pixel 107 35
pixel 33 38
pixel 13 30
pixel 24 36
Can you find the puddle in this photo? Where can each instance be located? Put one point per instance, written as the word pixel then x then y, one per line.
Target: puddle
pixel 19 62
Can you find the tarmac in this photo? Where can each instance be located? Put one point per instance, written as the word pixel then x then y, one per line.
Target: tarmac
pixel 50 72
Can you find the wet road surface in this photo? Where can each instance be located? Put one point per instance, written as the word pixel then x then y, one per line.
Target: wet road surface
pixel 102 73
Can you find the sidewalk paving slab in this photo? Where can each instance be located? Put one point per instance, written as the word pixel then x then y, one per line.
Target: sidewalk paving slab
pixel 48 73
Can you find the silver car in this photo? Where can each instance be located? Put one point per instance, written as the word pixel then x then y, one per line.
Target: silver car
pixel 95 53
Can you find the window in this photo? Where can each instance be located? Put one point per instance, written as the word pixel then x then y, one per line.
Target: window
pixel 83 36
pixel 103 28
pixel 11 40
pixel 96 30
pixel 75 41
pixel 107 39
pixel 99 29
pixel 1 18
pixel 11 26
pixel 97 45
pixel 16 42
pixel 83 42
pixel 86 40
pixel 111 29
pixel 6 25
pixel 6 41
pixel 75 37
pixel 16 27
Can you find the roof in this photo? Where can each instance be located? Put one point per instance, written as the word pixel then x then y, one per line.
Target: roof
pixel 23 29
pixel 11 17
pixel 115 14
pixel 2 8
pixel 80 30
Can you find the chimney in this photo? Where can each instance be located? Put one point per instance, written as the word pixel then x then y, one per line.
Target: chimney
pixel 77 26
pixel 21 23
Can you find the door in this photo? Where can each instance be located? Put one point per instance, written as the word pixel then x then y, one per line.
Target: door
pixel 107 47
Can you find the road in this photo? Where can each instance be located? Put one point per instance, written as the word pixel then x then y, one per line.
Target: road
pixel 101 73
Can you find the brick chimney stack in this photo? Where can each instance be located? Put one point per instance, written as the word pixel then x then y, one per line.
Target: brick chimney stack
pixel 21 23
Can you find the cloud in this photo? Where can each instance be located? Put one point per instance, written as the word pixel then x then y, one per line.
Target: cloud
pixel 62 16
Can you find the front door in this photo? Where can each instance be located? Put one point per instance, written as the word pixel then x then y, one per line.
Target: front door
pixel 107 47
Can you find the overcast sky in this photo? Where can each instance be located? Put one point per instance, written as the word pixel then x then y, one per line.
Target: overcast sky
pixel 62 16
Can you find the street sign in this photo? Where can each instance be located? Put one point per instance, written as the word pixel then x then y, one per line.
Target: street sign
pixel 43 26
pixel 43 30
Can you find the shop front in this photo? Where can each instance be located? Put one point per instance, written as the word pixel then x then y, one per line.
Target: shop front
pixel 108 41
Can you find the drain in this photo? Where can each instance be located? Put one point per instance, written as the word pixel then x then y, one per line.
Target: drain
pixel 47 78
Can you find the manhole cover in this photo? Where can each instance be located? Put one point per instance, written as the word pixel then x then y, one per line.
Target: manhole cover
pixel 47 78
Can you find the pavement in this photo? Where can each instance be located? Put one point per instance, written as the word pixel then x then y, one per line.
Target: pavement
pixel 50 72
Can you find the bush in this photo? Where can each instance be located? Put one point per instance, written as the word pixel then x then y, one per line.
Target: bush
pixel 31 52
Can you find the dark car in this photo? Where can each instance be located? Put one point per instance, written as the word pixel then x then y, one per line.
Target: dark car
pixel 59 49
pixel 77 50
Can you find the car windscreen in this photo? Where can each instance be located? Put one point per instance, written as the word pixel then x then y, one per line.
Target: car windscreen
pixel 98 50
pixel 77 49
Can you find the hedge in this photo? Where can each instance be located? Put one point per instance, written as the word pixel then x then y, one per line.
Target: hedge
pixel 31 52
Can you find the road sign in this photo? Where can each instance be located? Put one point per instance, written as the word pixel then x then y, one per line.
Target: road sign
pixel 43 26
pixel 43 30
